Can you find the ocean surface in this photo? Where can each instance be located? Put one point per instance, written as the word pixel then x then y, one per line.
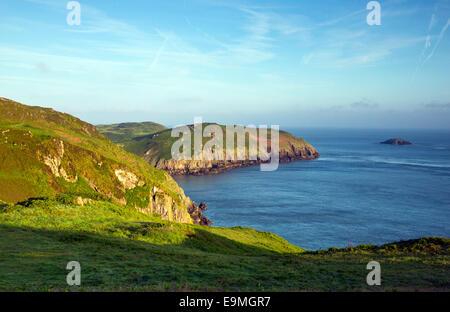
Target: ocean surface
pixel 358 191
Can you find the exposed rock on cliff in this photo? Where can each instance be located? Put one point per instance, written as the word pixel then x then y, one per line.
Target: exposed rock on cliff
pixel 204 167
pixel 196 212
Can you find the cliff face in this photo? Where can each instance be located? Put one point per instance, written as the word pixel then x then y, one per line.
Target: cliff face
pixel 291 148
pixel 155 148
pixel 202 167
pixel 44 153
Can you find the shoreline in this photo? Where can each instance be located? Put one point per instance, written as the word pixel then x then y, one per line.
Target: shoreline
pixel 201 168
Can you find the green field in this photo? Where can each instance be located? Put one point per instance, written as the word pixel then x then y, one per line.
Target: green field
pixel 120 249
pixel 124 133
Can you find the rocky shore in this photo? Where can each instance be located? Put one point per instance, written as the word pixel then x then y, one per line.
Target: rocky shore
pixel 203 167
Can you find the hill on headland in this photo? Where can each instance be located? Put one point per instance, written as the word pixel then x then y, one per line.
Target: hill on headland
pixel 45 153
pixel 155 148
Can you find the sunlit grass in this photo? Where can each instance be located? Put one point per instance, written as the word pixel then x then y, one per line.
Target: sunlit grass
pixel 120 248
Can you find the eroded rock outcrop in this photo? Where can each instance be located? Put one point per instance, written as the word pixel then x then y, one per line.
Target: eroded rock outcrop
pixel 196 212
pixel 54 161
pixel 169 209
pixel 128 179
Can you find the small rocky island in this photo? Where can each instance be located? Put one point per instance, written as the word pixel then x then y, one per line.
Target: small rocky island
pixel 396 142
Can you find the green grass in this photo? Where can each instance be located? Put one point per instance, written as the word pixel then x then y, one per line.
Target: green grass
pixel 122 249
pixel 29 134
pixel 123 132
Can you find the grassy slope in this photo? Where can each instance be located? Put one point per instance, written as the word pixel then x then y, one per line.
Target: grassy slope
pixel 26 131
pixel 123 133
pixel 122 249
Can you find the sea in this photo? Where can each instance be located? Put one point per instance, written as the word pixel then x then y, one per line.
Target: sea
pixel 357 192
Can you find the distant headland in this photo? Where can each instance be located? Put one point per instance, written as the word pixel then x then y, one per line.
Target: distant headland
pixel 155 148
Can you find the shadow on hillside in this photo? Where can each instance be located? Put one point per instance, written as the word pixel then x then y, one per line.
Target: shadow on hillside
pixel 35 258
pixel 204 240
pixel 197 240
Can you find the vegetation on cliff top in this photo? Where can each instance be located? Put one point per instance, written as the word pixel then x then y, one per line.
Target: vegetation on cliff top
pixel 120 249
pixel 157 146
pixel 122 133
pixel 44 153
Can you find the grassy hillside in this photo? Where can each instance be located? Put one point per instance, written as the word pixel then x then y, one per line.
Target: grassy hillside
pixel 123 133
pixel 122 249
pixel 44 153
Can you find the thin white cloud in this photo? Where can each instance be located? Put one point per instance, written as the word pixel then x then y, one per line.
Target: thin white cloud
pixel 433 22
pixel 344 50
pixel 441 35
pixel 440 8
pixel 341 18
pixel 160 51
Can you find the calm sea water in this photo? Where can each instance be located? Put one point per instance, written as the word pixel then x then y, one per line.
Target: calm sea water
pixel 359 191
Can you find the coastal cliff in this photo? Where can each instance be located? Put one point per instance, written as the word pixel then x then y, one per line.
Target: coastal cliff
pixel 155 148
pixel 203 167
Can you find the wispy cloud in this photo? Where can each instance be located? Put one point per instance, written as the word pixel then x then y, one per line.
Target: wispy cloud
pixel 430 48
pixel 439 39
pixel 344 52
pixel 364 104
pixel 437 106
pixel 340 19
pixel 433 22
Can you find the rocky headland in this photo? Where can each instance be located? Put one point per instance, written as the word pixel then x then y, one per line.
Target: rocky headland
pixel 155 148
pixel 205 167
pixel 158 154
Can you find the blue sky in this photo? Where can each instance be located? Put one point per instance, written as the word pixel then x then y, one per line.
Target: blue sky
pixel 292 63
